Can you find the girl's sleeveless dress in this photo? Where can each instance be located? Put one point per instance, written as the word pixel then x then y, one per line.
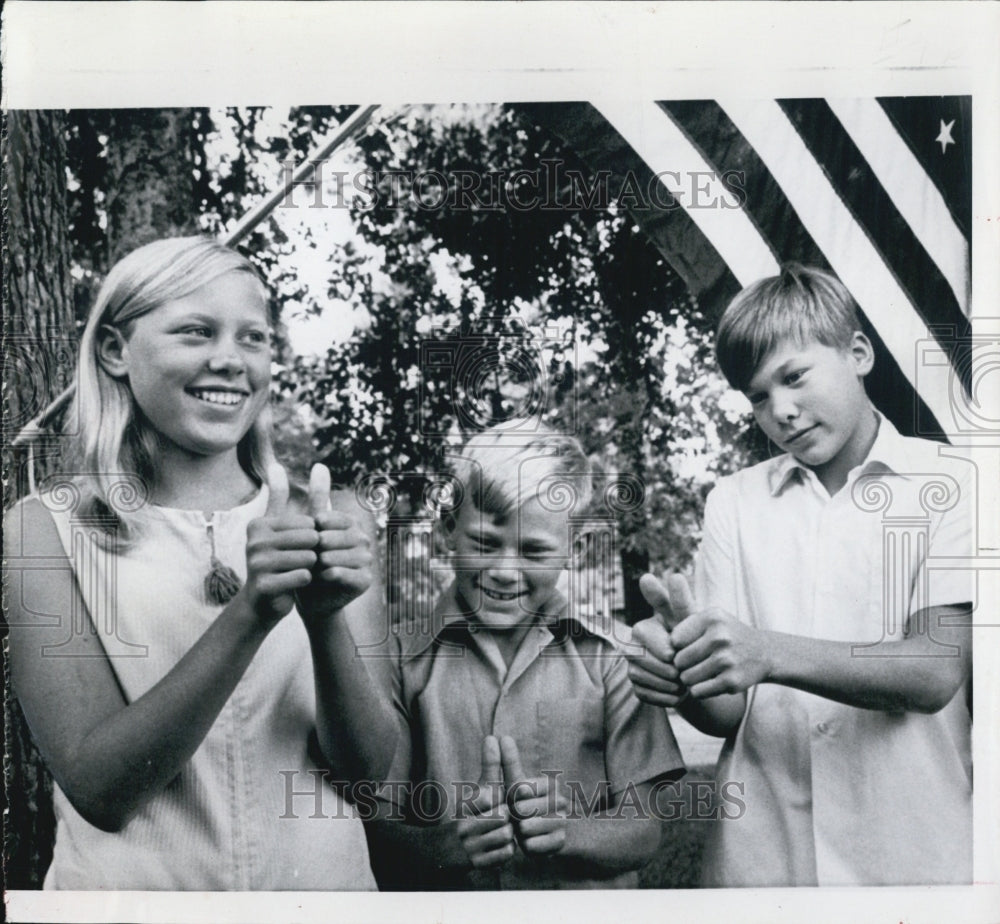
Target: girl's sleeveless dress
pixel 249 810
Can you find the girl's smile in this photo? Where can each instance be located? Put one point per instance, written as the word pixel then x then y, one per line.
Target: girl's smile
pixel 199 367
pixel 220 396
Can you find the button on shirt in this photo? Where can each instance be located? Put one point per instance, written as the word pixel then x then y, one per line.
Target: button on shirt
pixel 565 699
pixel 837 795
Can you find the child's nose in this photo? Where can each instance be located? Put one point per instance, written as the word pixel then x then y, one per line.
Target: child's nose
pixel 227 359
pixel 503 569
pixel 783 406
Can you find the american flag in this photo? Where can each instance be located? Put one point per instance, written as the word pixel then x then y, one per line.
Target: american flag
pixel 877 190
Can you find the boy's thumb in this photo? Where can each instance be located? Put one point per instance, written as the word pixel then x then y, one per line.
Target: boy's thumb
pixel 659 599
pixel 491 772
pixel 511 757
pixel 319 489
pixel 277 486
pixel 681 598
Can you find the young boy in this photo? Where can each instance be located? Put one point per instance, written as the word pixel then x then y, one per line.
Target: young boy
pixel 521 738
pixel 824 645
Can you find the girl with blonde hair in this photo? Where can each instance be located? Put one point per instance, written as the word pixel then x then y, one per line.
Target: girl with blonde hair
pixel 154 649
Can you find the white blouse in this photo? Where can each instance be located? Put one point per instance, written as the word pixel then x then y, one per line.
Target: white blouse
pixel 249 810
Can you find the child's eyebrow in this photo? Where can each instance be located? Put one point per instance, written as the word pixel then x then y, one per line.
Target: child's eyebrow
pixel 541 544
pixel 194 316
pixel 777 372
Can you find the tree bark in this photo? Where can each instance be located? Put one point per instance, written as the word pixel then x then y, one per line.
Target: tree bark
pixel 39 355
pixel 151 184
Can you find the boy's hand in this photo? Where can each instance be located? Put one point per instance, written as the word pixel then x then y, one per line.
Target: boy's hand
pixel 280 553
pixel 538 805
pixel 716 653
pixel 487 835
pixel 343 569
pixel 655 678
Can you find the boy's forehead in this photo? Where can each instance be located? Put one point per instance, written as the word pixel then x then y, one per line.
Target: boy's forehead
pixel 787 349
pixel 530 513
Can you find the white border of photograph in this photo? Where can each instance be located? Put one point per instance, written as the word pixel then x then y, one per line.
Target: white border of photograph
pixel 161 54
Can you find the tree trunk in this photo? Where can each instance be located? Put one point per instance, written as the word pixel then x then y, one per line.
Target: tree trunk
pixel 39 354
pixel 151 183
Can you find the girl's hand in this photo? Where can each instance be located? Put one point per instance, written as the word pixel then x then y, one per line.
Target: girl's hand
pixel 343 569
pixel 281 553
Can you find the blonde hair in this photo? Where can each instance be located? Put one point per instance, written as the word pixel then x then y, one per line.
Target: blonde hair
pixel 499 470
pixel 802 303
pixel 113 439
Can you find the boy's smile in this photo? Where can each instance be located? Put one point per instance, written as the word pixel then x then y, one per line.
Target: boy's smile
pixel 507 568
pixel 810 400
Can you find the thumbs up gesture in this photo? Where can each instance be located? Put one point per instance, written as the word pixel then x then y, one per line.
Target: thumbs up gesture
pixel 344 560
pixel 281 553
pixel 538 805
pixel 655 678
pixel 486 832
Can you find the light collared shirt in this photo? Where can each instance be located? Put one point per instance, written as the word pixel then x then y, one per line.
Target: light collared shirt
pixel 565 699
pixel 837 795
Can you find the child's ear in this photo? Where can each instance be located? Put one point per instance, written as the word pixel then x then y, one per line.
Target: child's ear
pixel 862 353
pixel 112 351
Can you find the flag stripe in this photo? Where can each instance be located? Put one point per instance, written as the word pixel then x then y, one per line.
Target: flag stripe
pixel 918 120
pixel 847 248
pixel 919 201
pixel 710 129
pixel 586 132
pixel 855 184
pixel 670 155
pixel 808 194
pixel 713 133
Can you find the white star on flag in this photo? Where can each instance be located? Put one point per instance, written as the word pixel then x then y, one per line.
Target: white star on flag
pixel 944 136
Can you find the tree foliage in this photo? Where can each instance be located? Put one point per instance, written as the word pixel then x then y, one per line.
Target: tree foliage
pixel 468 308
pixel 432 359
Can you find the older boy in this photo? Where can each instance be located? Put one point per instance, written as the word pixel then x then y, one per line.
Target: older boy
pixel 825 646
pixel 522 740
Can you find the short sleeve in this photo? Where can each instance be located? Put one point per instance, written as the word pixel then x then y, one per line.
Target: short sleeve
pixel 946 570
pixel 639 742
pixel 398 777
pixel 715 572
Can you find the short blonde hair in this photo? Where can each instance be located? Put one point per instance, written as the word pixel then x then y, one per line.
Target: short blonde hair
pixel 801 303
pixel 500 470
pixel 112 439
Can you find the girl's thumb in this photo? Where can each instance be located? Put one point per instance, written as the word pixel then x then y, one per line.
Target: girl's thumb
pixel 277 486
pixel 319 489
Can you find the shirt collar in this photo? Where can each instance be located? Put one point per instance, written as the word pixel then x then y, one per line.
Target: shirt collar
pixel 451 615
pixel 889 453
